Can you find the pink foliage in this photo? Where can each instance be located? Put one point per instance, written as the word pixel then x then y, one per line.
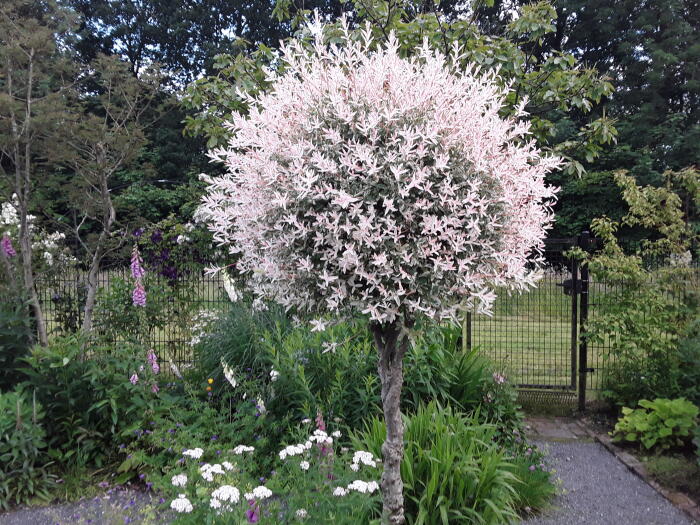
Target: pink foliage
pixel 366 182
pixel 7 248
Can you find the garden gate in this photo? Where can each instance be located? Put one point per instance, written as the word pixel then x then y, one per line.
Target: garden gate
pixel 536 336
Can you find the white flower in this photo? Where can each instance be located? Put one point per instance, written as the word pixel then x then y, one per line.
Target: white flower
pixel 260 492
pixel 359 486
pixel 195 453
pixel 301 513
pixel 318 325
pixel 304 465
pixel 308 445
pixel 306 421
pixel 228 374
pixel 179 480
pixel 291 450
pixel 227 493
pixel 366 458
pixel 329 347
pixel 372 486
pixel 261 405
pixel 227 465
pixel 240 449
pixel 214 503
pixel 340 491
pixel 181 504
pixel 230 288
pixel 354 467
pixel 336 434
pixel 274 374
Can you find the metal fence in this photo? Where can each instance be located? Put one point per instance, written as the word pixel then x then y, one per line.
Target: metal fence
pixel 536 337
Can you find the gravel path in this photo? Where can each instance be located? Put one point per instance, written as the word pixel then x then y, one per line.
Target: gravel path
pixel 598 489
pixel 112 508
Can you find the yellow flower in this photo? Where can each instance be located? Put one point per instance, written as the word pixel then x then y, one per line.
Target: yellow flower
pixel 210 380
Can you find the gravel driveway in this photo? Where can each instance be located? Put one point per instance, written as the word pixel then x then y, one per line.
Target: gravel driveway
pixel 598 489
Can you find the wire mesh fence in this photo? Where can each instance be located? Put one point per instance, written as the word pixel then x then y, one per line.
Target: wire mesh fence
pixel 532 336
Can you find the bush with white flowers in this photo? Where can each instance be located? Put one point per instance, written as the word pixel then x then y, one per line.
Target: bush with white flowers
pixel 315 481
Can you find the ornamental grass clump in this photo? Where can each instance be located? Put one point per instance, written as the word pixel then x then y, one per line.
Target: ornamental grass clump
pixel 364 183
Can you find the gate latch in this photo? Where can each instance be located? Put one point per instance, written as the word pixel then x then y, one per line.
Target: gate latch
pixel 568 286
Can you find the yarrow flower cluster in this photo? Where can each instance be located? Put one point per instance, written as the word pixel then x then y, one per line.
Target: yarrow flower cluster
pixel 240 449
pixel 364 458
pixel 181 504
pixel 226 493
pixel 260 492
pixel 179 480
pixel 397 176
pixel 207 471
pixel 194 453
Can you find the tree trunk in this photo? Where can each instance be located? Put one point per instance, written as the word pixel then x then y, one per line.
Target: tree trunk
pixel 392 343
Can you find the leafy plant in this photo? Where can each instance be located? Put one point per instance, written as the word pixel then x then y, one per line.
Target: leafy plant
pixel 453 470
pixel 87 393
pixel 659 424
pixel 24 474
pixel 15 340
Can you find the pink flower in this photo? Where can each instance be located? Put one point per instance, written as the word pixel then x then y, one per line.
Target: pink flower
pixel 253 513
pixel 154 388
pixel 498 378
pixel 137 271
pixel 134 378
pixel 139 295
pixel 153 361
pixel 7 249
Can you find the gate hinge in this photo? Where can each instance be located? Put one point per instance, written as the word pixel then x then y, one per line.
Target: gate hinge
pixel 568 286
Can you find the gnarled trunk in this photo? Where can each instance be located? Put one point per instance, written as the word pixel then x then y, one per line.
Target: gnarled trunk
pixel 392 343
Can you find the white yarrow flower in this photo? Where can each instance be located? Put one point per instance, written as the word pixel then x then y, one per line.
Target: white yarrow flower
pixel 274 374
pixel 301 513
pixel 227 493
pixel 214 503
pixel 304 465
pixel 195 453
pixel 181 504
pixel 179 480
pixel 339 491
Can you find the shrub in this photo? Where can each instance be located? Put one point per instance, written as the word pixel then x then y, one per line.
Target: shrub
pixel 689 363
pixel 15 341
pixel 87 393
pixel 24 473
pixel 334 371
pixel 453 470
pixel 659 424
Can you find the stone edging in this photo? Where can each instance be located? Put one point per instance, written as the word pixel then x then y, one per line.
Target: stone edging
pixel 678 499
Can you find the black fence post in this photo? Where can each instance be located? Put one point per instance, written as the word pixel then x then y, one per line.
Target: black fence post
pixel 585 242
pixel 574 318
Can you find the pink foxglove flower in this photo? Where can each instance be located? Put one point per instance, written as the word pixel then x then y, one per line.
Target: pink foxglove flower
pixel 137 271
pixel 154 388
pixel 153 361
pixel 6 246
pixel 138 297
pixel 134 378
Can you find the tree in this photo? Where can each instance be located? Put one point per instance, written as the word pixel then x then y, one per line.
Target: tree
pixel 363 183
pixel 32 83
pixel 559 92
pixel 103 132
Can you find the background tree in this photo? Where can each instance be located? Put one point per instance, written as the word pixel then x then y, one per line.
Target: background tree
pixel 103 133
pixel 32 82
pixel 362 183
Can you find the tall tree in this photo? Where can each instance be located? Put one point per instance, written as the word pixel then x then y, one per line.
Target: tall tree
pixel 364 183
pixel 33 78
pixel 104 131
